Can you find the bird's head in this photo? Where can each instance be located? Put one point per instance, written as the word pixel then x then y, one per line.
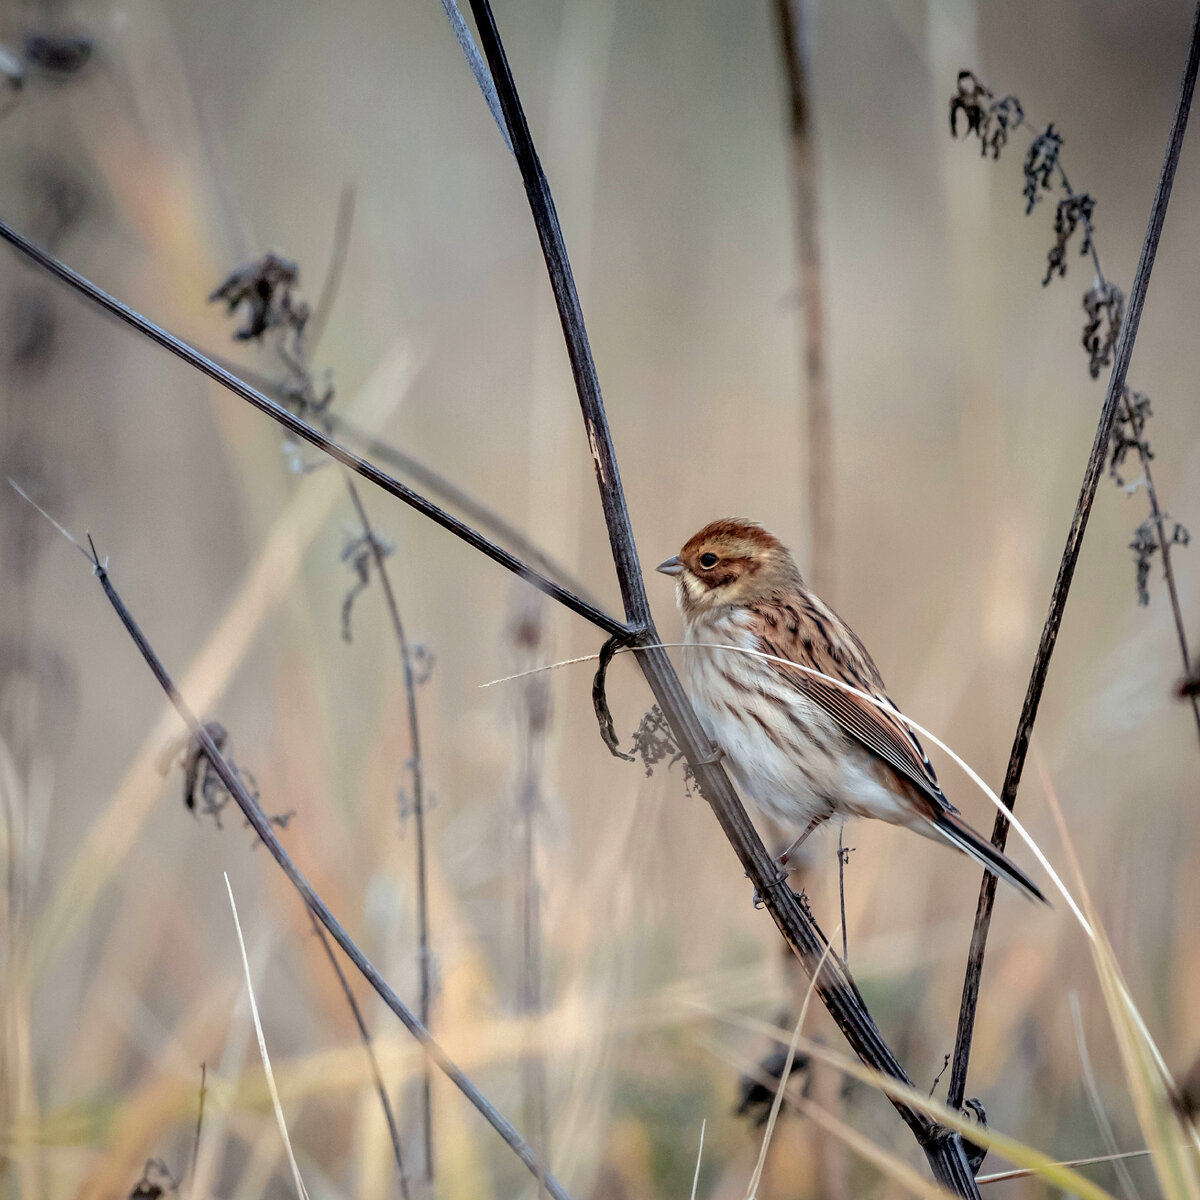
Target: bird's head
pixel 731 561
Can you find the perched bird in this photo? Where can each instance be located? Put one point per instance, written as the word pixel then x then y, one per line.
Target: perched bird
pixel 800 747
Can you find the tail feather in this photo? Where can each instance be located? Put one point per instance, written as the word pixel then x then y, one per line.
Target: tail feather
pixel 955 830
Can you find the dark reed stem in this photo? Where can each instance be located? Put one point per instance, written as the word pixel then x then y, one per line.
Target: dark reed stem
pixel 1070 556
pixel 430 481
pixel 417 770
pixel 794 42
pixel 368 1045
pixel 296 357
pixel 262 826
pixel 944 1151
pixel 302 429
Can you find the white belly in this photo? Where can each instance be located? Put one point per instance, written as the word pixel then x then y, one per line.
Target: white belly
pixel 784 752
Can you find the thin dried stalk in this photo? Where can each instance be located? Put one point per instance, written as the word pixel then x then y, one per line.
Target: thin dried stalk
pixel 417 770
pixel 792 23
pixel 533 720
pixel 1066 570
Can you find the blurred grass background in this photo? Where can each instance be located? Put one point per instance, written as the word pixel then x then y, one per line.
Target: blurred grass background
pixel 200 136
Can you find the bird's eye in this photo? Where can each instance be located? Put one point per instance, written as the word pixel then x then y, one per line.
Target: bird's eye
pixel 708 560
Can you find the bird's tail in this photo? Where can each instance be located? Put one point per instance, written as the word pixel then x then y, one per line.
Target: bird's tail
pixel 955 830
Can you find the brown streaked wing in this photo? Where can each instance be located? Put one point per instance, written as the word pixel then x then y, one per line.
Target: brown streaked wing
pixel 877 729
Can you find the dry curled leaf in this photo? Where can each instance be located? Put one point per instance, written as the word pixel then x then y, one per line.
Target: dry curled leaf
pixel 1104 304
pixel 1128 433
pixel 986 117
pixel 1073 210
pixel 264 287
pixel 1041 161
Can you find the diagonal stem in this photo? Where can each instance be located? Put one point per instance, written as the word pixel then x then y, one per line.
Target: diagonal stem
pixel 1066 569
pixel 232 782
pixel 432 482
pixel 302 429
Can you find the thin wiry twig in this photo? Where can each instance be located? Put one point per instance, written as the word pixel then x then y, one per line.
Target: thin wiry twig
pixel 309 433
pixel 793 38
pixel 944 1151
pixel 417 770
pixel 416 761
pixel 1129 416
pixel 281 309
pixel 1103 304
pixel 843 854
pixel 369 1046
pixel 254 814
pixel 1066 570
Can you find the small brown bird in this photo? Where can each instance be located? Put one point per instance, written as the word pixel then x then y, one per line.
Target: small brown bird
pixel 803 749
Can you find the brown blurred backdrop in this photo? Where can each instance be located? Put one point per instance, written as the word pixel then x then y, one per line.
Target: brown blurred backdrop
pixel 199 136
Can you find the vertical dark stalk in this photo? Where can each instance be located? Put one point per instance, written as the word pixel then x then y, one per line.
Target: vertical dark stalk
pixel 424 959
pixel 534 719
pixel 943 1149
pixel 792 23
pixel 1070 556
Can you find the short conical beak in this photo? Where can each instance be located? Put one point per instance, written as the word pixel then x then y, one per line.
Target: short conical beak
pixel 673 566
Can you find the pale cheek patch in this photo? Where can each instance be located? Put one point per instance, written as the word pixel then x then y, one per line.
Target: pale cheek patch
pixel 690 588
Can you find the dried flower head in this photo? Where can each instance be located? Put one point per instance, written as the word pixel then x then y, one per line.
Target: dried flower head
pixel 204 792
pixel 359 554
pixel 265 288
pixel 1041 161
pixel 756 1095
pixel 155 1182
pixel 1104 304
pixel 1073 210
pixel 1128 432
pixel 653 741
pixel 1145 546
pixel 986 117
